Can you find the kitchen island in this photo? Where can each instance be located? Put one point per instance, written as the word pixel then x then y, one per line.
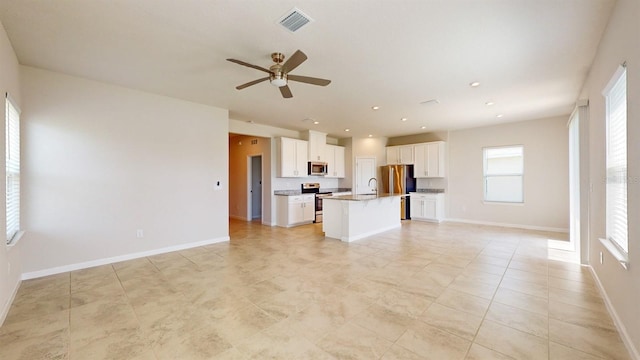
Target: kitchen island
pixel 353 217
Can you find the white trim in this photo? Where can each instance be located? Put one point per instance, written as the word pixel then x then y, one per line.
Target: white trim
pixel 115 259
pixel 507 203
pixel 516 226
pixel 617 253
pixel 15 239
pixel 7 305
pixel 622 330
pixel 370 233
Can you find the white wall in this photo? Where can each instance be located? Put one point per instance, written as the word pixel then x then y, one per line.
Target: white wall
pixel 10 257
pixel 546 174
pixel 619 44
pixel 101 161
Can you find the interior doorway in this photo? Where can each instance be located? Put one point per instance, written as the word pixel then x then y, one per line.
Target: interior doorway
pixel 254 181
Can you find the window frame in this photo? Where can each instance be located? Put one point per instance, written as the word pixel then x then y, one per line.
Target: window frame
pixel 619 244
pixel 486 176
pixel 12 170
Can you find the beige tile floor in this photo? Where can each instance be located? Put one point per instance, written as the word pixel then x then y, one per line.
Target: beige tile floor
pixel 426 291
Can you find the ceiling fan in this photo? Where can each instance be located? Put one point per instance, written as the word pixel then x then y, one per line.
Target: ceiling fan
pixel 279 73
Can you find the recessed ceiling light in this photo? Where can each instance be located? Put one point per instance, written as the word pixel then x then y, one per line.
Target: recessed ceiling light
pixel 316 122
pixel 370 135
pixel 423 127
pixel 489 103
pixel 375 107
pixel 499 115
pixel 474 84
pixel 404 119
pixel 347 130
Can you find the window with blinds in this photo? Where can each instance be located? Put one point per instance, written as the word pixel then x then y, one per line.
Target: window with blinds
pixel 12 151
pixel 616 188
pixel 503 174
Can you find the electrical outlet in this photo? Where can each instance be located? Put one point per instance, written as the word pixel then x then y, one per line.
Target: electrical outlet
pixel 139 233
pixel 601 258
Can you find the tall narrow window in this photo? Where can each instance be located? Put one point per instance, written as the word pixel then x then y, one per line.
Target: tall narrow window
pixel 503 174
pixel 616 193
pixel 12 151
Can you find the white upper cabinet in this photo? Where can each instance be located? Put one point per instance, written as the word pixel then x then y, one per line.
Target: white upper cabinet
pixel 292 156
pixel 335 161
pixel 402 154
pixel 317 144
pixel 429 160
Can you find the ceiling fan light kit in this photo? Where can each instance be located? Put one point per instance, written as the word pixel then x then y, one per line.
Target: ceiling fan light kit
pixel 279 73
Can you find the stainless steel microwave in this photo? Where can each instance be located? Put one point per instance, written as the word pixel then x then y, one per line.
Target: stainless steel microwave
pixel 317 168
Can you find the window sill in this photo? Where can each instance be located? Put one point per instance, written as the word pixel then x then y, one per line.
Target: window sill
pixel 618 254
pixel 15 239
pixel 503 203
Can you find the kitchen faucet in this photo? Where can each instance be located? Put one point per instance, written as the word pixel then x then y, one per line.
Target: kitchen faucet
pixel 369 184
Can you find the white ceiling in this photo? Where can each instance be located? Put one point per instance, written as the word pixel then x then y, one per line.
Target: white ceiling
pixel 530 56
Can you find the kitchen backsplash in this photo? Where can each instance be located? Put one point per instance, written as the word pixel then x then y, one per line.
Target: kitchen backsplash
pixel 435 183
pixel 294 183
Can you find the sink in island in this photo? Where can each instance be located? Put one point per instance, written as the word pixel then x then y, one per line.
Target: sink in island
pixel 353 217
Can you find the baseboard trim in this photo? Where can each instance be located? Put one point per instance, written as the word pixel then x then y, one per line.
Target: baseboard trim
pixel 515 226
pixel 622 330
pixel 370 233
pixel 111 260
pixel 7 305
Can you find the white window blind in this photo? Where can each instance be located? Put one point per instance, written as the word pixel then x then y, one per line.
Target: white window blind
pixel 12 151
pixel 503 174
pixel 616 162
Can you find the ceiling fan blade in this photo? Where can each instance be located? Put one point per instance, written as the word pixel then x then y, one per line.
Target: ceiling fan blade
pixel 309 80
pixel 239 62
pixel 286 92
pixel 296 59
pixel 240 87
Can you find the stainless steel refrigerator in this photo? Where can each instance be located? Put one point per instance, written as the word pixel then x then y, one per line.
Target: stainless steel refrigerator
pixel 398 179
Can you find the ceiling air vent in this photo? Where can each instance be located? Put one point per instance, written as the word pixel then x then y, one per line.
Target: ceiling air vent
pixel 294 19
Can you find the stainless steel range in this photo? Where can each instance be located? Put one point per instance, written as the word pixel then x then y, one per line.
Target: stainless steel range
pixel 314 188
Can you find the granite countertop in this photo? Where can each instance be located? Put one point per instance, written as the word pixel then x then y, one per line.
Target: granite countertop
pixel 299 192
pixel 335 190
pixel 430 191
pixel 365 197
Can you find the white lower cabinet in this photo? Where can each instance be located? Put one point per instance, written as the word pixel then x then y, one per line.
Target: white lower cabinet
pixel 427 207
pixel 295 210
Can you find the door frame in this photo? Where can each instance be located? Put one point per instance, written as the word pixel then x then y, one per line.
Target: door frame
pixel 249 182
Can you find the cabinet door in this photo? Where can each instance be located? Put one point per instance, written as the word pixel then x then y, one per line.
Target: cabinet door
pixel 329 155
pixel 295 213
pixel 421 161
pixel 338 163
pixel 433 161
pixel 430 207
pixel 416 207
pixel 309 210
pixel 301 158
pixel 406 154
pixel 316 146
pixel 288 157
pixel 393 155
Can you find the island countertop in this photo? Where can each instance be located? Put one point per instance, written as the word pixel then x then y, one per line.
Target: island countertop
pixel 364 197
